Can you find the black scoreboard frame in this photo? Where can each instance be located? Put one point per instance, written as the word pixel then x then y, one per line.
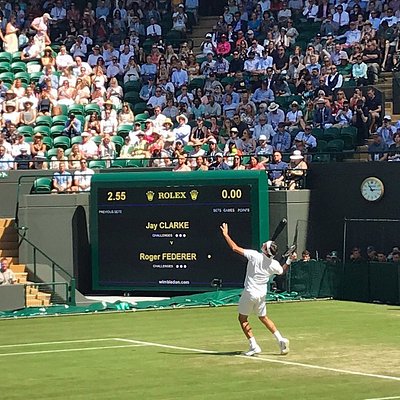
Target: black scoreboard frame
pixel 202 192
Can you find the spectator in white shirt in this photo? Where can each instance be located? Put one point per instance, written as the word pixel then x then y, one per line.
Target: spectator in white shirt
pixel 115 69
pixel 63 59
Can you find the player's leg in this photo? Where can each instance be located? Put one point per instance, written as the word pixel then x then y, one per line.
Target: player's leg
pixel 246 307
pixel 269 324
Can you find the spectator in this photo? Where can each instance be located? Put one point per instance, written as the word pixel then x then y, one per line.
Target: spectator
pixel 182 164
pixel 73 126
pixel 377 149
pixel 387 131
pixel 88 147
pixel 7 276
pixel 322 115
pixel 6 159
pixel 308 141
pixel 82 177
pixel 62 180
pixel 296 171
pixel 281 140
pixel 276 170
pixel 275 115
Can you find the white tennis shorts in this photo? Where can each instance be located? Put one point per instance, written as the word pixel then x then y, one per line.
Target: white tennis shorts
pixel 249 304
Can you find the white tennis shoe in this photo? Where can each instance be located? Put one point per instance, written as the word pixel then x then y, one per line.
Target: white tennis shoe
pixel 284 346
pixel 253 350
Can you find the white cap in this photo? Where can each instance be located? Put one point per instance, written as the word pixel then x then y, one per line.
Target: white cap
pixel 262 137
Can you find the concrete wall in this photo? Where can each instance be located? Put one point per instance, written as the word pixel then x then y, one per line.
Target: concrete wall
pixel 49 219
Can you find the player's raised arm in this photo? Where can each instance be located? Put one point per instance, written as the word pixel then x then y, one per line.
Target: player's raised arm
pixel 231 243
pixel 292 257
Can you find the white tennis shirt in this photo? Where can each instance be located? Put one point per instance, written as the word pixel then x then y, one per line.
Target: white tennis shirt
pixel 259 269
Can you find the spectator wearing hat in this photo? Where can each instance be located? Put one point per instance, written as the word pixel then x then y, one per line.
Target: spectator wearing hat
pixel 79 49
pixel 294 117
pixel 28 114
pixel 344 68
pixel 322 115
pixel 183 130
pixel 275 115
pixel 296 171
pixel 37 146
pixel 179 19
pixel 377 149
pixel 41 38
pixel 264 150
pixel 219 163
pixel 223 47
pixel 23 160
pixel 208 65
pixel 197 151
pixel 207 46
pixel 63 59
pixel 10 113
pixel 387 131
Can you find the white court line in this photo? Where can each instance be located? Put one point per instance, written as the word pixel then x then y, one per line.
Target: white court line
pixel 271 360
pixel 60 342
pixel 25 353
pixel 384 398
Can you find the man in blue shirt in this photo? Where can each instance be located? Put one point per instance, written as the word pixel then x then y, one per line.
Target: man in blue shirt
pixel 276 170
pixel 281 141
pixel 73 126
pixel 148 70
pixel 62 180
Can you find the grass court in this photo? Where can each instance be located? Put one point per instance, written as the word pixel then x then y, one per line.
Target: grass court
pixel 339 351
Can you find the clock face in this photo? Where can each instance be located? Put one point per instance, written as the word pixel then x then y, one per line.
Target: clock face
pixel 372 189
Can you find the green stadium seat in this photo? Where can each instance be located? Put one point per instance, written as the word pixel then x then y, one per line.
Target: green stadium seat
pixel 7 77
pixel 4 67
pixel 331 133
pixel 18 66
pixel 196 83
pixel 141 117
pixel 48 141
pixel 321 146
pixel 56 130
pixel 5 56
pixel 132 86
pixel 51 153
pixel 135 163
pixel 99 164
pixel 24 76
pixel 97 139
pixel 59 120
pixel 43 129
pixel 132 97
pixel 42 185
pixel 118 164
pixel 140 108
pixel 229 80
pixel 124 129
pixel 76 140
pixel 67 152
pixel 91 108
pixel 76 109
pixel 35 76
pixel 62 141
pixel 44 120
pixel 34 67
pixel 25 130
pixel 318 133
pixel 118 141
pixel 321 158
pixel 16 56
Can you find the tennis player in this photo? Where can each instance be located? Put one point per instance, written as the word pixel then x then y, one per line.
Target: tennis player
pixel 260 267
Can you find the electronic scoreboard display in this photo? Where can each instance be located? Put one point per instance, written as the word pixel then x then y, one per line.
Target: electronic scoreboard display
pixel 161 230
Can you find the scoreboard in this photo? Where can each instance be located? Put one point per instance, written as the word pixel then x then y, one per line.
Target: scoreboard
pixel 161 230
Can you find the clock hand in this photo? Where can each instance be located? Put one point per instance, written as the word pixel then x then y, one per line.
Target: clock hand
pixel 370 187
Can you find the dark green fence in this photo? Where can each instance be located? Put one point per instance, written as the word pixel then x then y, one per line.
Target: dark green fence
pixel 367 282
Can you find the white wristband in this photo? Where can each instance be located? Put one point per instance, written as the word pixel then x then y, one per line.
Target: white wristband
pixel 288 261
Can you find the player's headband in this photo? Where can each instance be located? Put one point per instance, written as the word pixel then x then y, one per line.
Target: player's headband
pixel 266 248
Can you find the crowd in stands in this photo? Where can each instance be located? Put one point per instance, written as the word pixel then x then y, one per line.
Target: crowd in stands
pixel 356 255
pixel 117 83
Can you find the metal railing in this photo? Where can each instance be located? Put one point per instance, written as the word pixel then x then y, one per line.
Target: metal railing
pixel 55 267
pixel 45 289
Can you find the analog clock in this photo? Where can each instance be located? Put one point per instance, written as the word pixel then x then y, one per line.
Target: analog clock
pixel 372 189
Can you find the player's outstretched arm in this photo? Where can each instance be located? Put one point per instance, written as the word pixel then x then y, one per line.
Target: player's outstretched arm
pixel 289 260
pixel 231 243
